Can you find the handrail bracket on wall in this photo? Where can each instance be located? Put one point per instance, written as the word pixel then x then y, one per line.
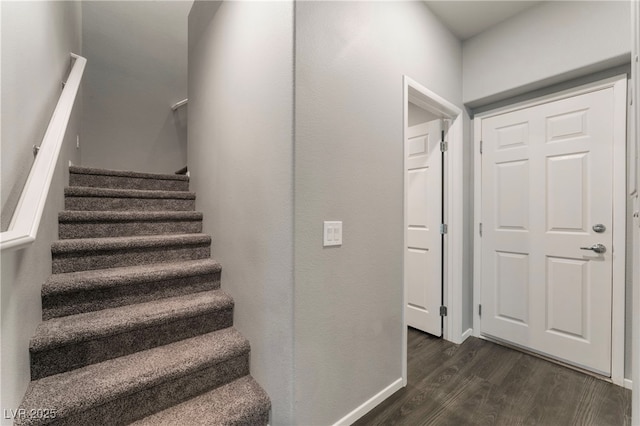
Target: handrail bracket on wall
pixel 177 105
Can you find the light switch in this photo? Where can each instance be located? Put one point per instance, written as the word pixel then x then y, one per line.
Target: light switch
pixel 332 233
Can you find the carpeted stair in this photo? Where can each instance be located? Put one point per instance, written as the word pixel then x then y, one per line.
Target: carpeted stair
pixel 135 327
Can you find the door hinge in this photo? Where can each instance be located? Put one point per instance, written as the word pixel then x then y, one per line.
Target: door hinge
pixel 480 147
pixel 443 311
pixel 480 310
pixel 481 229
pixel 444 228
pixel 444 146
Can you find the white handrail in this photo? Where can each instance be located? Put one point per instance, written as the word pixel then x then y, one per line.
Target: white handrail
pixel 179 104
pixel 26 218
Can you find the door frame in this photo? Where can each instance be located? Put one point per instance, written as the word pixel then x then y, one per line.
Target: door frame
pixel 635 149
pixel 453 203
pixel 619 85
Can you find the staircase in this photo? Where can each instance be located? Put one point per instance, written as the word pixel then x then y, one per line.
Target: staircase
pixel 135 327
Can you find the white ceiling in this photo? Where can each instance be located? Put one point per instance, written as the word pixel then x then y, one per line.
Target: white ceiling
pixel 468 18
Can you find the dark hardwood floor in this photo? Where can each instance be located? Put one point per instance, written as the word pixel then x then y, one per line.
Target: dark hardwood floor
pixel 481 383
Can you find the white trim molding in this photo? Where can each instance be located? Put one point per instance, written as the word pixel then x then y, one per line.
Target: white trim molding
pixel 619 233
pixel 619 86
pixel 635 141
pixel 370 404
pixel 26 218
pixel 467 334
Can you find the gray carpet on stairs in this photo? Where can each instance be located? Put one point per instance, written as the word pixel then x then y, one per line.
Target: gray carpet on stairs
pixel 101 199
pixel 98 178
pixel 97 253
pixel 141 383
pixel 77 292
pixel 66 343
pixel 135 325
pixel 232 404
pixel 92 171
pixel 103 224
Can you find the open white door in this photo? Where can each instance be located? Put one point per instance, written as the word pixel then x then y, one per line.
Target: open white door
pixel 547 227
pixel 423 264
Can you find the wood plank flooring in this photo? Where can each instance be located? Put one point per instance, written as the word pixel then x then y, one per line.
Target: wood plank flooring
pixel 481 383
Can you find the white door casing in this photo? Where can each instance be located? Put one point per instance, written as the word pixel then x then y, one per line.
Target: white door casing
pixel 546 179
pixel 423 274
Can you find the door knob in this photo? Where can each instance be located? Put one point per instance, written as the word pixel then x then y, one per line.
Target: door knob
pixel 598 248
pixel 599 228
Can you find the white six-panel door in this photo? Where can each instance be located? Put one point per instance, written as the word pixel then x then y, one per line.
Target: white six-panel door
pixel 546 182
pixel 423 273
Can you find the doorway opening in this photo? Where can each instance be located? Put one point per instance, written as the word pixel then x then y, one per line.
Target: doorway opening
pixel 433 224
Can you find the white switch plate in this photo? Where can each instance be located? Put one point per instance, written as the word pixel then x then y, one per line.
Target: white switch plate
pixel 332 235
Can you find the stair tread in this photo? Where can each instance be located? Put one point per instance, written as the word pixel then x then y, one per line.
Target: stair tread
pixel 237 402
pixel 68 216
pixel 87 191
pixel 129 242
pixel 125 173
pixel 96 384
pixel 62 331
pixel 126 275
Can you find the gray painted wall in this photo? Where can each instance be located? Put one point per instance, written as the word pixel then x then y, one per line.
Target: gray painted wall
pixel 350 59
pixel 417 115
pixel 549 43
pixel 497 65
pixel 241 154
pixel 37 38
pixel 346 165
pixel 137 68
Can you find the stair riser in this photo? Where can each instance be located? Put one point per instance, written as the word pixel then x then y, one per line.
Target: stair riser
pixel 127 408
pixel 239 403
pixel 126 229
pixel 58 360
pixel 129 294
pixel 88 260
pixel 122 182
pixel 144 204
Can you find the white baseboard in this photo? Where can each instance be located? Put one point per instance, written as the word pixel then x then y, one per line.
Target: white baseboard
pixel 628 384
pixel 466 334
pixel 369 405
